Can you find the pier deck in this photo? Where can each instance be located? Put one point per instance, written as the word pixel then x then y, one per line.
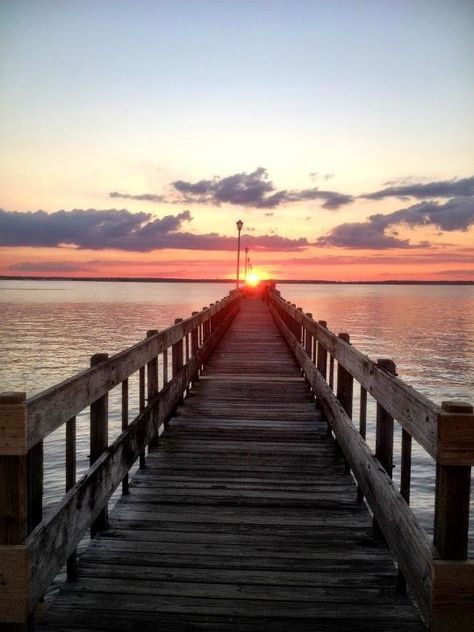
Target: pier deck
pixel 244 518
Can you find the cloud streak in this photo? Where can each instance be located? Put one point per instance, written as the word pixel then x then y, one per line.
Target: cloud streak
pixel 455 214
pixel 122 230
pixel 463 187
pixel 253 190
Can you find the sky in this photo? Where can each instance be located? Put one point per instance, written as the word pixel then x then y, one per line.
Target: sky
pixel 135 133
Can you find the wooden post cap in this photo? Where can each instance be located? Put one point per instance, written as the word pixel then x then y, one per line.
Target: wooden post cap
pixel 178 320
pixel 194 313
pixel 323 323
pixel 387 365
pixel 309 315
pixel 345 337
pixel 13 423
pixel 12 397
pixel 151 332
pixel 97 358
pixel 452 406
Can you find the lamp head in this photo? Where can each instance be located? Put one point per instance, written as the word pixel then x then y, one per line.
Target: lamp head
pixel 240 225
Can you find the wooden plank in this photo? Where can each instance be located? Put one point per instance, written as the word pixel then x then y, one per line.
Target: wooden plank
pixel 399 526
pixel 238 522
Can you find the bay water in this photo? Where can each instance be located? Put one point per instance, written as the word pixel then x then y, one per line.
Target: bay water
pixel 49 330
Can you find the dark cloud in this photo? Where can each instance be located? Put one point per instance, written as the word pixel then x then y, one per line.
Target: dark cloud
pixel 91 228
pixel 332 199
pixel 438 189
pixel 48 266
pixel 455 214
pixel 142 197
pixel 119 229
pixel 363 235
pixel 241 189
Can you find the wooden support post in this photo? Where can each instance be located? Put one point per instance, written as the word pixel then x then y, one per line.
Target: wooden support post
pixel 322 358
pixel 141 407
pixel 125 487
pixel 384 433
pixel 405 483
pixel 195 345
pixel 13 469
pixel 345 386
pixel 152 386
pixel 71 567
pixel 362 428
pixel 345 382
pixel 308 340
pixel 177 352
pixel 453 482
pixel 19 508
pixel 206 329
pixel 99 438
pixel 331 372
pixel 384 426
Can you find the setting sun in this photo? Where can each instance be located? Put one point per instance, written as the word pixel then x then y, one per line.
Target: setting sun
pixel 253 278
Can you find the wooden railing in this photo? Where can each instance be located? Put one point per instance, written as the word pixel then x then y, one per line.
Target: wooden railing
pixel 33 549
pixel 438 573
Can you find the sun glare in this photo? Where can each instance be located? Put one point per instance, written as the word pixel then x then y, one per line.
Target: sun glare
pixel 253 279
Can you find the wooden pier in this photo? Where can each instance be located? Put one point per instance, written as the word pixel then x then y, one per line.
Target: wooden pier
pixel 244 514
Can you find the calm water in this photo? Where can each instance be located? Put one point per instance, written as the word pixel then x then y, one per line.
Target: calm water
pixel 50 329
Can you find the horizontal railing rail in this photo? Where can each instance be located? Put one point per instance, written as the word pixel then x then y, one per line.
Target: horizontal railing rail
pixel 33 550
pixel 438 573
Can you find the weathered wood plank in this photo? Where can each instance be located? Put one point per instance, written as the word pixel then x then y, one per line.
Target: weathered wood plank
pixel 244 518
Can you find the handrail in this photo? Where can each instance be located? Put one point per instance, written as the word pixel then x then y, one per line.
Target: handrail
pixel 33 550
pixel 439 574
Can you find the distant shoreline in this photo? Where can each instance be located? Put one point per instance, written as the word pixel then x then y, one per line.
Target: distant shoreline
pixel 229 281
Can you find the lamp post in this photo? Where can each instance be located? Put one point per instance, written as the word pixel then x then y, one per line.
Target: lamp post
pixel 246 262
pixel 239 225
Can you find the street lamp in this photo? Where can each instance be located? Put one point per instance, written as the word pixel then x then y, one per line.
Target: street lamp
pixel 239 225
pixel 246 262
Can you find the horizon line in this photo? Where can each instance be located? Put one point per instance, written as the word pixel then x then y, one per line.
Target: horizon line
pixel 232 281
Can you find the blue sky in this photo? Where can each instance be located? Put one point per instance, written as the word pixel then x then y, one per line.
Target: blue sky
pixel 133 95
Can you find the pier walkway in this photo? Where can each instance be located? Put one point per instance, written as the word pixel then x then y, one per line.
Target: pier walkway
pixel 244 518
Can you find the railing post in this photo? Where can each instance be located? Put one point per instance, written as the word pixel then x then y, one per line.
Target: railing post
pixel 345 382
pixel 177 352
pixel 19 508
pixel 451 523
pixel 71 566
pixel 345 386
pixel 384 435
pixel 322 355
pixel 125 486
pixel 384 426
pixel 206 328
pixel 362 428
pixel 99 439
pixel 308 340
pixel 152 387
pixel 195 346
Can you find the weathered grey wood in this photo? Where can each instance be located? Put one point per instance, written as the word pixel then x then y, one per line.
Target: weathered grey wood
pixel 125 412
pixel 53 541
pixel 51 408
pixel 99 437
pixel 417 414
pixel 452 500
pixel 17 512
pixel 70 482
pixel 238 522
pixel 399 526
